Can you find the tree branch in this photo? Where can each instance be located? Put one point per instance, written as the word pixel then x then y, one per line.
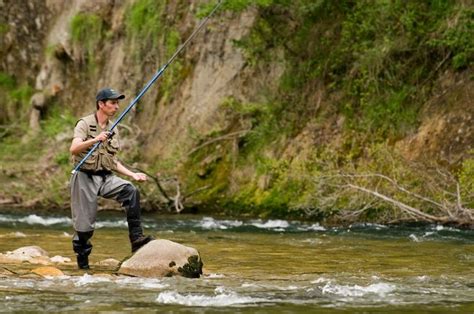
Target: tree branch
pixel 406 208
pixel 158 184
pixel 220 138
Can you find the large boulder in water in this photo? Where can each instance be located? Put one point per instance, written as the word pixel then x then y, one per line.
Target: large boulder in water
pixel 163 258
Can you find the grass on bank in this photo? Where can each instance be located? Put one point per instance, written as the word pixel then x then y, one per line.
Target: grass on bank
pixel 36 169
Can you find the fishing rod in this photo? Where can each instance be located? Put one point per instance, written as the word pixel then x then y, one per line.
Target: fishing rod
pixel 148 85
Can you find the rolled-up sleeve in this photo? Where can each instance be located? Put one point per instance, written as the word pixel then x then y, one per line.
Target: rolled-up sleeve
pixel 80 130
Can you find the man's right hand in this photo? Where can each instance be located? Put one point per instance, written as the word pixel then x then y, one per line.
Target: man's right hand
pixel 102 137
pixel 78 145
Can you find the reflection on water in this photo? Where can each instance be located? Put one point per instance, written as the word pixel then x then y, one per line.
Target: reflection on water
pixel 269 265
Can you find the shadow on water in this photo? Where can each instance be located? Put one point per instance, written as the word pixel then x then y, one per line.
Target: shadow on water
pixel 254 266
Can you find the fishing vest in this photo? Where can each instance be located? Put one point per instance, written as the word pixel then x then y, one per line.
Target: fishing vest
pixel 103 158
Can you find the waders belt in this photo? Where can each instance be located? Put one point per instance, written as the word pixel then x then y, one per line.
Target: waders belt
pixel 101 173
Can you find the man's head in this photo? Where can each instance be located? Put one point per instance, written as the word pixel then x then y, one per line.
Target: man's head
pixel 107 94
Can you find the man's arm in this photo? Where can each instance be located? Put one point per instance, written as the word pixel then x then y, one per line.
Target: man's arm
pixel 78 145
pixel 138 176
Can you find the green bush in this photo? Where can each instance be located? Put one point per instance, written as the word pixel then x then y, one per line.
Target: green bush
pixel 22 94
pixel 63 158
pixel 466 181
pixel 15 99
pixel 57 121
pixel 455 37
pixel 144 24
pixel 234 5
pixel 379 54
pixel 7 82
pixel 4 28
pixel 87 30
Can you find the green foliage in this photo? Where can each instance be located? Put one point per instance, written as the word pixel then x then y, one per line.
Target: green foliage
pixel 149 34
pixel 22 94
pixel 466 181
pixel 255 45
pixel 57 121
pixel 15 98
pixel 382 45
pixel 455 37
pixel 144 23
pixel 233 5
pixel 263 119
pixel 13 150
pixel 50 50
pixel 63 158
pixel 208 167
pixel 7 81
pixel 87 30
pixel 379 54
pixel 176 72
pixel 4 28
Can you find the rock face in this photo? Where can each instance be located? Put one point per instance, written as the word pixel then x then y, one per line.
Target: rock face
pixel 163 258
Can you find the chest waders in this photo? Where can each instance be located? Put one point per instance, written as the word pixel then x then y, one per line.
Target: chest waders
pixel 86 187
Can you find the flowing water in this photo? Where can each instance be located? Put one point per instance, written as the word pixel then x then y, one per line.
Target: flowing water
pixel 253 266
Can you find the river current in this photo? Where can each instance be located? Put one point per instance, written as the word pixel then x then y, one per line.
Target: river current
pixel 253 266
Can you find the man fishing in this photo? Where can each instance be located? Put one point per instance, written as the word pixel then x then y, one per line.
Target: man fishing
pixel 95 177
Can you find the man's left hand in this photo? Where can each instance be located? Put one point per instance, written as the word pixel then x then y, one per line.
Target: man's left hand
pixel 138 176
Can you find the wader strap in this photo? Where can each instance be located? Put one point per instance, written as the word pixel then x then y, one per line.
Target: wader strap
pixel 101 173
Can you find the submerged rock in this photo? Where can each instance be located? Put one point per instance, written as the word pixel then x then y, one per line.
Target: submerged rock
pixel 29 251
pixel 47 271
pixel 163 258
pixel 5 272
pixel 31 254
pixel 109 262
pixel 60 259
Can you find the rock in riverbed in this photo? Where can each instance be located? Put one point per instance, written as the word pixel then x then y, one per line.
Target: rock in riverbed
pixel 158 258
pixel 47 271
pixel 33 255
pixel 163 258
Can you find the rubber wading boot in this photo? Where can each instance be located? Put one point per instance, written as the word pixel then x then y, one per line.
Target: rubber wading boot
pixel 140 241
pixel 82 261
pixel 83 248
pixel 129 196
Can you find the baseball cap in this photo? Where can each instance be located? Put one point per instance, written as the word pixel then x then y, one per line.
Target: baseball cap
pixel 108 93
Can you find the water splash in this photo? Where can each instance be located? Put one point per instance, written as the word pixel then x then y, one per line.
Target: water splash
pixel 87 279
pixel 379 289
pixel 219 299
pixel 210 223
pixel 272 224
pixel 36 220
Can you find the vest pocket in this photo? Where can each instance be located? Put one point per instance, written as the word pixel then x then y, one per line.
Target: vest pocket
pixel 108 162
pixel 90 163
pixel 112 146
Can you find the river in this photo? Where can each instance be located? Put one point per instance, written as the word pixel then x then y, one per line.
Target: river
pixel 253 266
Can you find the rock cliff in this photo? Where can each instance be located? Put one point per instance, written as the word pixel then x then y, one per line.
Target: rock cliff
pixel 200 119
